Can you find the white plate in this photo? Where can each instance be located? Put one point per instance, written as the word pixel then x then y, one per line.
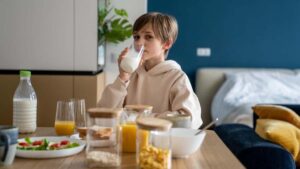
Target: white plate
pixel 51 153
pixel 75 136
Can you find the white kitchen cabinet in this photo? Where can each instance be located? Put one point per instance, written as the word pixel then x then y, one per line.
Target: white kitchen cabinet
pixel 54 35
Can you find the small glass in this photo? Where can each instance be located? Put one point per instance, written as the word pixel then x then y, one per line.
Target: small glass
pixel 130 114
pixel 103 138
pixel 80 117
pixel 64 119
pixel 153 148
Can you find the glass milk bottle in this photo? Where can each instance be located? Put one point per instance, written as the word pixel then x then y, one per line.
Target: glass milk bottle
pixel 130 113
pixel 153 148
pixel 25 105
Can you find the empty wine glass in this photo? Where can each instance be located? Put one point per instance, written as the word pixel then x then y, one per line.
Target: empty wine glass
pixel 80 117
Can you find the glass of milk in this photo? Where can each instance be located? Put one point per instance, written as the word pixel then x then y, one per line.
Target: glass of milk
pixel 131 62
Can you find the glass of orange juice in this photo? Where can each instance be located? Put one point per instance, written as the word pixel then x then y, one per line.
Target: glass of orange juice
pixel 129 128
pixel 64 119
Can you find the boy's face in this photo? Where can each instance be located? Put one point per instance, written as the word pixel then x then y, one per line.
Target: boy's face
pixel 154 47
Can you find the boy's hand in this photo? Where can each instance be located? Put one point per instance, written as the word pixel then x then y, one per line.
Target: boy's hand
pixel 124 76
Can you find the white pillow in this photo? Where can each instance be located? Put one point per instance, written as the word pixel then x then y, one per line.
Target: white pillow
pixel 242 90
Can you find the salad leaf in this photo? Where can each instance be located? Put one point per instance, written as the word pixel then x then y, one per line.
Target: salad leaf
pixel 27 139
pixel 46 142
pixel 73 145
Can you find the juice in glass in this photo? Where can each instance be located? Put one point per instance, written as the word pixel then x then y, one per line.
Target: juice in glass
pixel 129 137
pixel 129 128
pixel 64 127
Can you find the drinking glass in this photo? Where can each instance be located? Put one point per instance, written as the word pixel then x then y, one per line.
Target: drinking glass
pixel 132 60
pixel 80 116
pixel 64 119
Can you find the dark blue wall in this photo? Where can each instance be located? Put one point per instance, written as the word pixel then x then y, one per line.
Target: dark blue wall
pixel 240 33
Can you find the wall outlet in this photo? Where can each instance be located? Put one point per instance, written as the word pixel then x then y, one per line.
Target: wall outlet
pixel 203 52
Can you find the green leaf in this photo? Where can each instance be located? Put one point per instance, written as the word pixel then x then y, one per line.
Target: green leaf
pixel 115 23
pixel 73 145
pixel 121 12
pixel 102 13
pixel 27 139
pixel 115 28
pixel 46 142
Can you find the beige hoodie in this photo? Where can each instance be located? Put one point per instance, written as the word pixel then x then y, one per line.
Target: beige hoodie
pixel 165 87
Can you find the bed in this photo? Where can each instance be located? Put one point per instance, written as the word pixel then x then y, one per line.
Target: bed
pixel 211 83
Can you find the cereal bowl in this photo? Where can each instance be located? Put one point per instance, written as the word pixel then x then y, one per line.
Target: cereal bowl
pixel 185 142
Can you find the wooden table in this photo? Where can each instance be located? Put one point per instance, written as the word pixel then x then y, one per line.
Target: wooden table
pixel 213 154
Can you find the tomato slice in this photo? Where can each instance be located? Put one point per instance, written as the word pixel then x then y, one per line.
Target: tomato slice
pixel 54 146
pixel 37 143
pixel 24 144
pixel 64 142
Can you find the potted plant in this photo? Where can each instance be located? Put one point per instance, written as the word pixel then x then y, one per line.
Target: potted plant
pixel 113 27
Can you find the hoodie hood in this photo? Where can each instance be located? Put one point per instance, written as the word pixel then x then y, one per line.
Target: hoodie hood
pixel 162 67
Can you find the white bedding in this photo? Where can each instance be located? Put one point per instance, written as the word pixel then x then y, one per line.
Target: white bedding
pixel 240 91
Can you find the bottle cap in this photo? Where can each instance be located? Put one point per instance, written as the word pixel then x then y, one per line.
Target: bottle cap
pixel 25 73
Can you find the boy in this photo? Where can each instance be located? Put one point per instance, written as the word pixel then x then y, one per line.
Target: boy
pixel 157 82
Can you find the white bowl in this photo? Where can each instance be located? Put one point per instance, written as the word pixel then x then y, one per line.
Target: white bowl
pixel 185 142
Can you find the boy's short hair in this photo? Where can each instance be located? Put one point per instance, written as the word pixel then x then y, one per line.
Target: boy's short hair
pixel 164 26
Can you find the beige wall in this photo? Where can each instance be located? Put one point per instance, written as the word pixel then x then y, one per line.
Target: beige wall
pixel 49 89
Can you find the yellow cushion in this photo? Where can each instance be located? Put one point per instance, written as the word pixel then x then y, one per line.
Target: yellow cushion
pixel 277 112
pixel 282 133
